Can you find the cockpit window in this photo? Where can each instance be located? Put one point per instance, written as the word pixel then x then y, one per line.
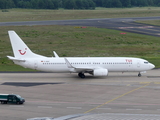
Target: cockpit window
pixel 146 62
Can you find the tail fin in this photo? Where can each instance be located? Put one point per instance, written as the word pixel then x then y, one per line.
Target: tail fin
pixel 20 49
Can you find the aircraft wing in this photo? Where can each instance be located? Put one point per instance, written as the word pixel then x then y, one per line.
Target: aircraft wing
pixel 16 59
pixel 78 69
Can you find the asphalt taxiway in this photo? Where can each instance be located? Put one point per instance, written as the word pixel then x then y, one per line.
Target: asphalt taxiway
pixel 55 95
pixel 123 24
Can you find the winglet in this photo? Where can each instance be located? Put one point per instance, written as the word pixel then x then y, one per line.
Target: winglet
pixel 55 54
pixel 68 63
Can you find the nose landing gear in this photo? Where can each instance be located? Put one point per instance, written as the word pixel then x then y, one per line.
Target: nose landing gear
pixel 139 74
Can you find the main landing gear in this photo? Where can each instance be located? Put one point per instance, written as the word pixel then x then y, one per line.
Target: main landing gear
pixel 81 75
pixel 139 74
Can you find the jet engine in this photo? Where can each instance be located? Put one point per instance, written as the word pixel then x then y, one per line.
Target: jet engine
pixel 100 72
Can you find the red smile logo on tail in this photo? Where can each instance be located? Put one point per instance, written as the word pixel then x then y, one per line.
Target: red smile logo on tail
pixel 22 53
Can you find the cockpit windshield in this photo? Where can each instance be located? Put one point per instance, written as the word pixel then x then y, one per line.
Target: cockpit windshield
pixel 146 62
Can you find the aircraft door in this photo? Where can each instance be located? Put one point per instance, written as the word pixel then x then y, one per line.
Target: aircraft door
pixel 138 64
pixel 35 64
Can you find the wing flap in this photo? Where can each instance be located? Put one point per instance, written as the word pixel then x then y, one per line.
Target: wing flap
pixel 84 68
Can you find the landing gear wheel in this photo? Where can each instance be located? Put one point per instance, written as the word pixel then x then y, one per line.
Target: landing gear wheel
pixel 3 102
pixel 81 75
pixel 139 75
pixel 18 103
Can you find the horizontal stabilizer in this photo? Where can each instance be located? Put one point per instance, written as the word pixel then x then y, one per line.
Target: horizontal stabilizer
pixel 16 59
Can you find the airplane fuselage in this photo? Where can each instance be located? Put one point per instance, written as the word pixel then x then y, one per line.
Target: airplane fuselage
pixel 112 64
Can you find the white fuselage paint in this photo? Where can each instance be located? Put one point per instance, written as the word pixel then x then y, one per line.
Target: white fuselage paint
pixel 112 64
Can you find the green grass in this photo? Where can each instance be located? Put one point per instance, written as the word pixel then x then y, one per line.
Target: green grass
pixel 61 14
pixel 72 41
pixel 151 22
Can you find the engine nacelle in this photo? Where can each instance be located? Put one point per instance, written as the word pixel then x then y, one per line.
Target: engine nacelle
pixel 100 72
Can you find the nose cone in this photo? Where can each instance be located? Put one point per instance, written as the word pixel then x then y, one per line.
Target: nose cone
pixel 152 66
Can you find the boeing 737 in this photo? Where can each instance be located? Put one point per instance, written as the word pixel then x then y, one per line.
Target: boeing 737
pixel 96 66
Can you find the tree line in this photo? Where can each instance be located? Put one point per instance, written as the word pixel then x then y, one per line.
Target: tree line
pixel 75 4
pixel 126 3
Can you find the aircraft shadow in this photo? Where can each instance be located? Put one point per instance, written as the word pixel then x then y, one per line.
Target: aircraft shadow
pixel 29 84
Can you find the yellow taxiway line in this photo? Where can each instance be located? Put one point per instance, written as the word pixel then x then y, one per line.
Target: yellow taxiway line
pixel 116 98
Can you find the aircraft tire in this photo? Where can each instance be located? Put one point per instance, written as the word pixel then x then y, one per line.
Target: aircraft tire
pixel 139 75
pixel 2 102
pixel 81 75
pixel 18 103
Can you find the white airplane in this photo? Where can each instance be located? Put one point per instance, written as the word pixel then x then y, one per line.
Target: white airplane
pixel 96 66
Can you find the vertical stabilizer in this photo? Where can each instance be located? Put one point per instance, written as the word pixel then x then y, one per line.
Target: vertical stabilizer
pixel 20 49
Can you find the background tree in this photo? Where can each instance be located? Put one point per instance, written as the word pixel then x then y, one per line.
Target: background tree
pixel 69 4
pixel 107 3
pixel 116 3
pixel 79 4
pixel 126 3
pixel 75 4
pixel 92 5
pixel 98 3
